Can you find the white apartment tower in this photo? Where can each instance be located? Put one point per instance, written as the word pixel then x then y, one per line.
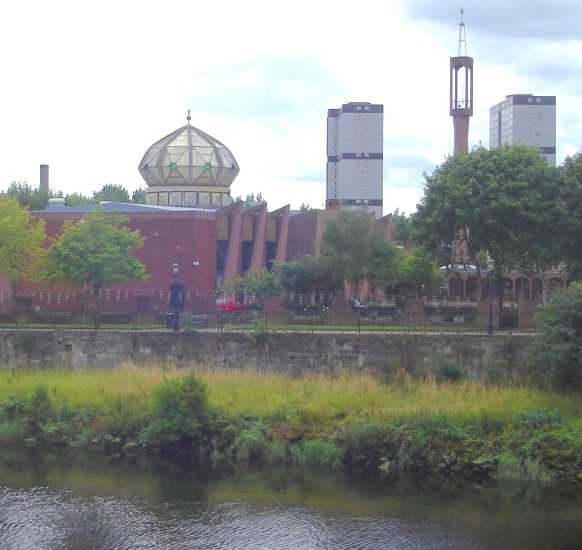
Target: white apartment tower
pixel 527 119
pixel 355 157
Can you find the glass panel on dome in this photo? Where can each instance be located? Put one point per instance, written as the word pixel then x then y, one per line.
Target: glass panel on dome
pixel 183 172
pixel 163 199
pixel 181 140
pixel 199 141
pixel 226 157
pixel 201 155
pixel 178 155
pixel 196 173
pixel 151 198
pixel 205 178
pixel 204 199
pixel 150 157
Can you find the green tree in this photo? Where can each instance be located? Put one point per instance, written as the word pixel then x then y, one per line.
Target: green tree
pixel 558 346
pixel 502 200
pixel 387 268
pixel 138 196
pixel 571 230
pixel 21 241
pixel 403 225
pixel 251 200
pixel 412 271
pixel 305 207
pixel 306 274
pixel 74 199
pixel 421 271
pixel 258 284
pixel 97 251
pixel 350 241
pixel 111 193
pixel 29 197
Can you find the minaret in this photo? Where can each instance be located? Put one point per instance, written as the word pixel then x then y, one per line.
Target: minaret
pixel 461 92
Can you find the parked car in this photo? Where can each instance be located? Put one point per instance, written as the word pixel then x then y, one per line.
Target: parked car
pixel 230 306
pixel 359 308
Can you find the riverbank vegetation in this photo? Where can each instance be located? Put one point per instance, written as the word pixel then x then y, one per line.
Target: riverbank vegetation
pixel 444 427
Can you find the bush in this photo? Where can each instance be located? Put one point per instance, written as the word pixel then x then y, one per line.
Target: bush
pixel 557 356
pixel 316 453
pixel 181 417
pixel 449 372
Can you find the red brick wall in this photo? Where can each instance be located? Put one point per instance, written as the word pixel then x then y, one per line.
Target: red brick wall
pixel 185 237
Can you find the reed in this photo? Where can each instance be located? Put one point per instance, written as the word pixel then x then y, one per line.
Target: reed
pixel 313 399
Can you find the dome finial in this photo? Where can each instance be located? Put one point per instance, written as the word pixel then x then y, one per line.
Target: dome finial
pixel 188 118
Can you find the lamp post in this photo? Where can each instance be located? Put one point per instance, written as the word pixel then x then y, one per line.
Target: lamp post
pixel 490 320
pixel 176 297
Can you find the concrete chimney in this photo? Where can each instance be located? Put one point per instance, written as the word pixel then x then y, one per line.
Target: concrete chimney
pixel 44 179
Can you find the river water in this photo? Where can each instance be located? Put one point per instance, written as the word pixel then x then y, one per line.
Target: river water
pixel 55 502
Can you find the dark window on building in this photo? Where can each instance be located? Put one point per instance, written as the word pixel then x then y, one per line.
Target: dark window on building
pixel 221 254
pixel 247 253
pixel 271 253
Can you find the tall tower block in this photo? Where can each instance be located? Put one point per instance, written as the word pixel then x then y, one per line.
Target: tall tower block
pixel 461 92
pixel 355 157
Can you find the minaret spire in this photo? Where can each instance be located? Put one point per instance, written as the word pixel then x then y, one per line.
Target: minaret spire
pixel 462 37
pixel 461 92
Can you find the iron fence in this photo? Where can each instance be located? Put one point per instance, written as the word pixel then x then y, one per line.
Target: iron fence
pixel 435 320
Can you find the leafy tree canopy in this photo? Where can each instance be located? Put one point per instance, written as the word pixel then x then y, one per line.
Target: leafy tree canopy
pixel 21 240
pixel 138 196
pixel 256 283
pixel 97 250
pixel 421 271
pixel 111 193
pixel 405 271
pixel 571 194
pixel 505 201
pixel 387 267
pixel 306 274
pixel 30 197
pixel 558 346
pixel 75 199
pixel 251 200
pixel 403 225
pixel 350 241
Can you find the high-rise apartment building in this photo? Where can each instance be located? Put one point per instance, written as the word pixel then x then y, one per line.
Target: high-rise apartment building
pixel 525 118
pixel 355 157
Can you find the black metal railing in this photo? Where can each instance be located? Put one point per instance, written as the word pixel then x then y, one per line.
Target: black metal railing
pixel 386 321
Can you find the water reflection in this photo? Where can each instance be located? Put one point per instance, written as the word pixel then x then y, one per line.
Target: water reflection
pixel 67 502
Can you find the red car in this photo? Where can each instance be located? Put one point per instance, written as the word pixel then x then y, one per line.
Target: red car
pixel 231 306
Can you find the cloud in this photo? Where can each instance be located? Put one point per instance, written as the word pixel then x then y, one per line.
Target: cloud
pixel 283 90
pixel 536 19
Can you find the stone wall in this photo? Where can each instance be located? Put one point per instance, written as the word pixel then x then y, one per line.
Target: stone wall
pixel 480 357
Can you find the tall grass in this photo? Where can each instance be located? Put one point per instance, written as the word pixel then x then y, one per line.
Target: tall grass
pixel 315 399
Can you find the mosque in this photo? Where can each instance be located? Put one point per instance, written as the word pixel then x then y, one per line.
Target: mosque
pixel 193 230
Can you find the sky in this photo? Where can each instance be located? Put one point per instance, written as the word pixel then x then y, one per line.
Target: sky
pixel 88 86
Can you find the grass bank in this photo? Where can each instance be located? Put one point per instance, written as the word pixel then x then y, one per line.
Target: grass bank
pixel 463 428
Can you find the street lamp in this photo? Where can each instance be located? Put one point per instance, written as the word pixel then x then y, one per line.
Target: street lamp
pixel 176 297
pixel 490 320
